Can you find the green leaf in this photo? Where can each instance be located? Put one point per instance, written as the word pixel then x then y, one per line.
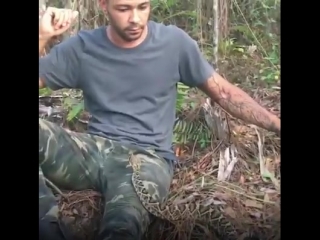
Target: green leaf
pixel 45 92
pixel 75 111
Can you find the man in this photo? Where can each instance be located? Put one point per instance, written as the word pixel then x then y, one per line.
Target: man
pixel 128 72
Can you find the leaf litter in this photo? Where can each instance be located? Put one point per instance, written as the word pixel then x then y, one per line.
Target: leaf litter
pixel 244 181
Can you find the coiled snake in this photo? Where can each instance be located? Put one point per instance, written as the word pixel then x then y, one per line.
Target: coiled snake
pixel 180 212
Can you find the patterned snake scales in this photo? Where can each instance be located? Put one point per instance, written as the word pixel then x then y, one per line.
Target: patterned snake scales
pixel 176 213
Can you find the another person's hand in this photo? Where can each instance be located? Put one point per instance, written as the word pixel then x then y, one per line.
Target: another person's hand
pixel 55 21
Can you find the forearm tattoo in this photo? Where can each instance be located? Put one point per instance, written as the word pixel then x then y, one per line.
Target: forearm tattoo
pixel 239 104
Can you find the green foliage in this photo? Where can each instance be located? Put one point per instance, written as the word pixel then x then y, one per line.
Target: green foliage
pixel 257 24
pixel 75 111
pixel 191 132
pixel 45 92
pixel 75 107
pixel 181 96
pixel 168 11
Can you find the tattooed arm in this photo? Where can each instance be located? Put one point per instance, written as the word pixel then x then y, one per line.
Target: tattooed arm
pixel 238 103
pixel 195 71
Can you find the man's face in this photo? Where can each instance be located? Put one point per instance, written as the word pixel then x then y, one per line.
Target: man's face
pixel 127 17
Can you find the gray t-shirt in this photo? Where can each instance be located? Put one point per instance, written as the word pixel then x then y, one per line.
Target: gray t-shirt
pixel 130 93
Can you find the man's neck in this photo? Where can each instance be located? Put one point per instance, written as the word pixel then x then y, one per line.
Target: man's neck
pixel 118 41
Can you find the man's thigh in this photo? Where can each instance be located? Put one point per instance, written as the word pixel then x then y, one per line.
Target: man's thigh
pixel 124 212
pixel 70 160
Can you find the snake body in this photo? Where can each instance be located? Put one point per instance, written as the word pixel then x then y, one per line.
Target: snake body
pixel 175 213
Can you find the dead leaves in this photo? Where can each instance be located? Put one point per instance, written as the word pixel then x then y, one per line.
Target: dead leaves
pixel 265 164
pixel 253 204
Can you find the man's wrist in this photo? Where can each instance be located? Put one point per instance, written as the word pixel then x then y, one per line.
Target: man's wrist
pixel 42 44
pixel 44 38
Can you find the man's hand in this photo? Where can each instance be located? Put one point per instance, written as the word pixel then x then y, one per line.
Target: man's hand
pixel 239 104
pixel 55 21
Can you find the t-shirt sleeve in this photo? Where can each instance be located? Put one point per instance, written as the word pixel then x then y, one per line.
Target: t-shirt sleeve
pixel 194 69
pixel 60 68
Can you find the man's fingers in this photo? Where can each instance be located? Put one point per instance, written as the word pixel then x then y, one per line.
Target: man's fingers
pixel 61 21
pixel 66 26
pixel 50 10
pixel 66 17
pixel 57 21
pixel 62 29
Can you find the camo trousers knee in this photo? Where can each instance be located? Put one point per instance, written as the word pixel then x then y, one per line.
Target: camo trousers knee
pixel 77 161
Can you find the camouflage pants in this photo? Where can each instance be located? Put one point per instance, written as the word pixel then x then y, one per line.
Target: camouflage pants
pixel 79 161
